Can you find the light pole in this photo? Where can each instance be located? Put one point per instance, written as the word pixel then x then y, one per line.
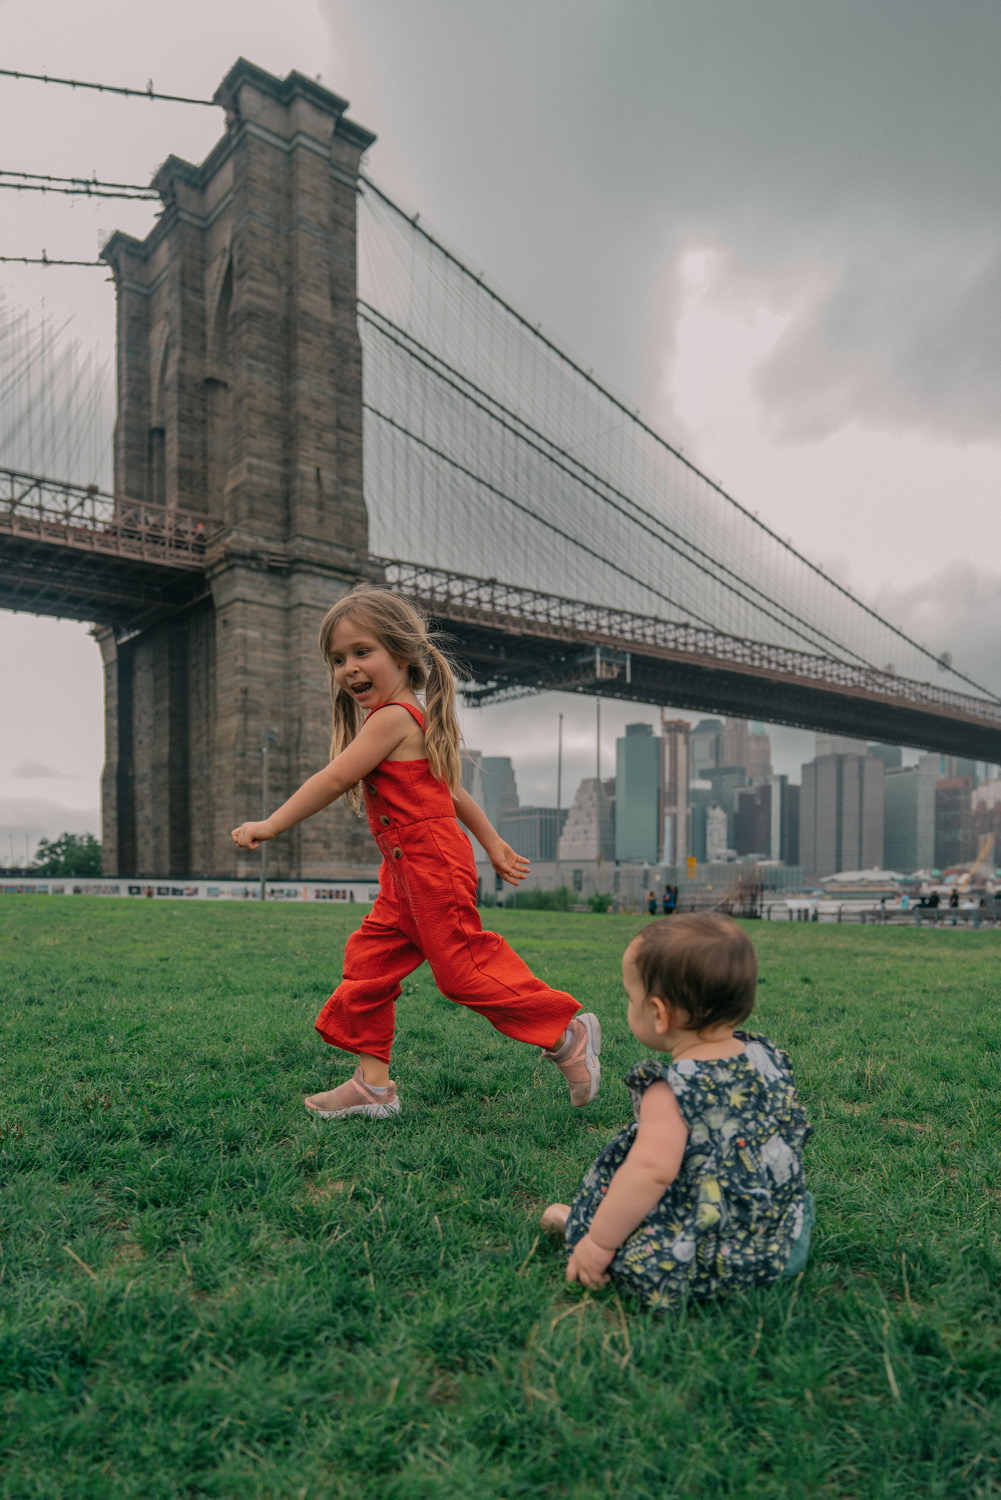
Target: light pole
pixel 597 741
pixel 559 791
pixel 268 738
pixel 599 798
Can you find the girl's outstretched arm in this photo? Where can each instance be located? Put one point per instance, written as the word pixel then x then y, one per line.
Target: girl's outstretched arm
pixel 653 1163
pixel 509 866
pixel 378 737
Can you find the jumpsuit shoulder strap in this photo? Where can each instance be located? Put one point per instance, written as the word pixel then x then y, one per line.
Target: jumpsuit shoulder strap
pixel 414 712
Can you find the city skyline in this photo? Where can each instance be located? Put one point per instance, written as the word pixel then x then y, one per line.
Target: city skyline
pixel 709 790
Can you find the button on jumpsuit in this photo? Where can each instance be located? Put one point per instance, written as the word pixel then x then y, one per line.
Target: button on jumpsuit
pixel 426 909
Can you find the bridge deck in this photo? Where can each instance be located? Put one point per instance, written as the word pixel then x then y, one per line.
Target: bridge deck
pixel 73 551
pixel 514 641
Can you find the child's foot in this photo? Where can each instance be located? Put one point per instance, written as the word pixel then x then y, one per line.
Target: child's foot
pixel 554 1218
pixel 577 1058
pixel 356 1097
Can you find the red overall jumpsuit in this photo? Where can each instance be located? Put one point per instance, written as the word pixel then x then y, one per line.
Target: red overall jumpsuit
pixel 426 909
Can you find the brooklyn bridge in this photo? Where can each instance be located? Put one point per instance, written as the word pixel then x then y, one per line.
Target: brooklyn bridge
pixel 312 390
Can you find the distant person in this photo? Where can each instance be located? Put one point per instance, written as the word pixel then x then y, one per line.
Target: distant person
pixel 404 761
pixel 704 1191
pixel 670 899
pixel 651 903
pixel 905 902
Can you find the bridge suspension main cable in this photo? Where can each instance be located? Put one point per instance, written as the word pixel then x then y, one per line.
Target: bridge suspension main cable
pixel 602 488
pixel 47 260
pixel 467 402
pixel 106 88
pixel 42 182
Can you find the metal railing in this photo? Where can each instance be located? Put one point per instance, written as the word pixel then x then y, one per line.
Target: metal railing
pixel 86 518
pixel 488 601
pixel 872 914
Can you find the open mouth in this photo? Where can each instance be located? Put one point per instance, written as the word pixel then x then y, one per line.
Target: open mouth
pixel 358 688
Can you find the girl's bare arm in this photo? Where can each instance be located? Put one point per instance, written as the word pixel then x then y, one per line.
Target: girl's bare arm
pixel 378 737
pixel 653 1163
pixel 510 866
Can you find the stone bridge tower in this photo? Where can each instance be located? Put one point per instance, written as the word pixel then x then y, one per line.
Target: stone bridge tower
pixel 239 395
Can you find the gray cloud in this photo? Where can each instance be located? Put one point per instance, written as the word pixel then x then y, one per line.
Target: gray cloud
pixel 35 770
pixel 960 610
pixel 856 137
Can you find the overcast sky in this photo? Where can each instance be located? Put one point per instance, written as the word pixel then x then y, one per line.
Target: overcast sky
pixel 775 227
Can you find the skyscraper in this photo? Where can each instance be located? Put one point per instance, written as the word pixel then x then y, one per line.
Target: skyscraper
pixel 766 821
pixel 589 831
pixel 953 821
pixel 500 790
pixel 735 744
pixel 752 821
pixel 704 747
pixel 638 795
pixel 700 797
pixel 841 814
pixel 909 818
pixel 674 734
pixel 759 752
pixel 717 847
pixel 890 755
pixel 472 774
pixel 987 819
pixel 838 744
pixel 532 831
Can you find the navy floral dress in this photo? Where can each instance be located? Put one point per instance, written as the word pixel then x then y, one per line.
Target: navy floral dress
pixel 738 1213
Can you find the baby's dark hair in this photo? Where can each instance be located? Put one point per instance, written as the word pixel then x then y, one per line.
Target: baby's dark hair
pixel 702 962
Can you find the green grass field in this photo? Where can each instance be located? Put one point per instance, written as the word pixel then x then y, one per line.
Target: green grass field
pixel 204 1292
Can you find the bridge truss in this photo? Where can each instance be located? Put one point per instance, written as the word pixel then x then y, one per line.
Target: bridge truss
pixel 77 552
pixel 510 641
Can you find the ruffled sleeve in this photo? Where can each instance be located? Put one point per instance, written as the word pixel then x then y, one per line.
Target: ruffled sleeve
pixel 639 1079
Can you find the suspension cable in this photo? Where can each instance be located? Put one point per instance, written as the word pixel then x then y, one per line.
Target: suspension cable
pixel 597 486
pixel 106 88
pixel 526 510
pixel 658 438
pixel 45 260
pixel 91 187
pixel 76 192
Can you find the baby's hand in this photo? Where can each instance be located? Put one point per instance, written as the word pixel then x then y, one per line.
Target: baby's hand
pixel 589 1263
pixel 509 866
pixel 251 835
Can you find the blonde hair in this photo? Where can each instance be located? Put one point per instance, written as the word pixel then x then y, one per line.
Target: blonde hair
pixel 404 631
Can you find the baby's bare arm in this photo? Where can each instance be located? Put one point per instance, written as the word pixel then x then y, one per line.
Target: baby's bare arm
pixel 653 1163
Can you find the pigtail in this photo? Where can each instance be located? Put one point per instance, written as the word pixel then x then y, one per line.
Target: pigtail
pixel 442 736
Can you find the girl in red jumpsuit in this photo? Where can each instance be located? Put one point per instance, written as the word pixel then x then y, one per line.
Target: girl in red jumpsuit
pixel 404 762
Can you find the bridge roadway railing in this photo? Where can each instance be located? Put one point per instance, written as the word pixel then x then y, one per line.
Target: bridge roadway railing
pixel 88 519
pixel 488 602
